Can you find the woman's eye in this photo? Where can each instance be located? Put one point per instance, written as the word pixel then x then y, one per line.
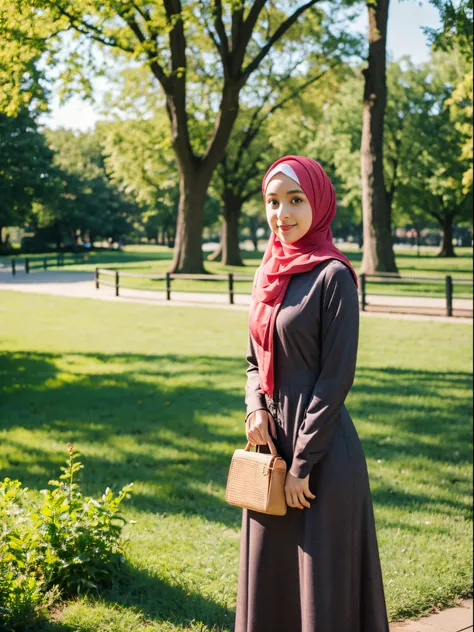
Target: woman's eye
pixel 296 199
pixel 273 203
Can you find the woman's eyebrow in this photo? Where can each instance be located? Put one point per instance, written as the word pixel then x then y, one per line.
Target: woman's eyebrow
pixel 287 193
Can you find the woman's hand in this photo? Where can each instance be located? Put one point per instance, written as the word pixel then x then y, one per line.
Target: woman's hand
pixel 297 491
pixel 257 425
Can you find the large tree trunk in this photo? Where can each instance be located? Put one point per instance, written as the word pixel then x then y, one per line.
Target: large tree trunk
pixel 447 249
pixel 378 253
pixel 187 257
pixel 195 176
pixel 230 229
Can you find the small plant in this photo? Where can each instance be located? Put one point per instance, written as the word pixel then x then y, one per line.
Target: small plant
pixel 68 544
pixel 80 540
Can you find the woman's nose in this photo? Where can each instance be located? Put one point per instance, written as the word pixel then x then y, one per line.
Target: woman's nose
pixel 282 211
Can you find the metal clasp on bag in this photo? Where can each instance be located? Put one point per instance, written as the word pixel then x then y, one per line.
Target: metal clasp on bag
pixel 266 470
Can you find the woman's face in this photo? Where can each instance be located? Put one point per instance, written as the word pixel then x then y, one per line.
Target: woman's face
pixel 289 212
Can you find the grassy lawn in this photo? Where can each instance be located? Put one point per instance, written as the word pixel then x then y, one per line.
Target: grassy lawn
pixel 156 260
pixel 155 396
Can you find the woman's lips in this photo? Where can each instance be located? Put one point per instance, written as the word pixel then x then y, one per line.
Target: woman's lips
pixel 286 228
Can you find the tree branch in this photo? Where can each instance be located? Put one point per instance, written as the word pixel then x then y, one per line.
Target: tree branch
pixel 154 65
pixel 252 132
pixel 176 102
pixel 239 46
pixel 281 30
pixel 220 29
pixel 92 31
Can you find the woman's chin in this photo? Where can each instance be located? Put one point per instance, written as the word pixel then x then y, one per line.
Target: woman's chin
pixel 287 239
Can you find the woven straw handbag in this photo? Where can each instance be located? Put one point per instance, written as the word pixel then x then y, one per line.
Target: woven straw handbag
pixel 256 480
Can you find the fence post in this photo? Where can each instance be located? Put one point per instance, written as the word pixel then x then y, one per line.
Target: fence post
pixel 116 283
pixel 231 288
pixel 362 291
pixel 168 287
pixel 13 267
pixel 58 260
pixel 45 263
pixel 97 278
pixel 449 295
pixel 27 266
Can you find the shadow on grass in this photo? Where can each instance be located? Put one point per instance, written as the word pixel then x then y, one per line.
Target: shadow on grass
pixel 172 422
pixel 159 601
pixel 153 598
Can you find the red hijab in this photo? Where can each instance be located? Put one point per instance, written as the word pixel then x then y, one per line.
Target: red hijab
pixel 281 260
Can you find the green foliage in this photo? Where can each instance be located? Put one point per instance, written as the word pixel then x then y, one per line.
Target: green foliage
pixel 80 537
pixel 141 163
pixel 456 27
pixel 22 594
pixel 27 173
pixel 424 159
pixel 24 41
pixel 89 202
pixel 65 545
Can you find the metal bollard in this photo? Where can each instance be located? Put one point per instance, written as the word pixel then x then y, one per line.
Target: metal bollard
pixel 116 283
pixel 168 286
pixel 13 267
pixel 449 295
pixel 231 288
pixel 362 291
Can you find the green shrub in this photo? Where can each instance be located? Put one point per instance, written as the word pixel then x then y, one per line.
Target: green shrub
pixel 66 545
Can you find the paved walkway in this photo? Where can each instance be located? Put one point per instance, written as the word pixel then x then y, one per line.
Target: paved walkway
pixel 458 619
pixel 81 285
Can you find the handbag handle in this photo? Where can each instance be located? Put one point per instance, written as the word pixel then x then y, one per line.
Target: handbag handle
pixel 271 445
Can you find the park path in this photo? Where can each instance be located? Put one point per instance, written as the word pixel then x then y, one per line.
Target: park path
pixel 81 284
pixel 459 619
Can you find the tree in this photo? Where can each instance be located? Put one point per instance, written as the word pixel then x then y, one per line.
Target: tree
pixel 456 34
pixel 378 249
pixel 430 180
pixel 89 204
pixel 27 174
pixel 169 37
pixel 456 27
pixel 140 163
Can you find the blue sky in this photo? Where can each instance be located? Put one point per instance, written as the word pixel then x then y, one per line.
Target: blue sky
pixel 405 37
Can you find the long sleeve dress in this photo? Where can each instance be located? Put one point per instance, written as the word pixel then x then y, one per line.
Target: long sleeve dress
pixel 315 569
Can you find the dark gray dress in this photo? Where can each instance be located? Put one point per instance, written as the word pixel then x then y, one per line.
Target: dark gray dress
pixel 315 569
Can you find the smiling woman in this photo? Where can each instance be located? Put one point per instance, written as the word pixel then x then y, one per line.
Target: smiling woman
pixel 318 565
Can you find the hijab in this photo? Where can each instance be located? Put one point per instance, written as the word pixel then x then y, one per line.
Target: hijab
pixel 281 260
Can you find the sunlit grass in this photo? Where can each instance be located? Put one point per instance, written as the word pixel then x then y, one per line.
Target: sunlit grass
pixel 155 396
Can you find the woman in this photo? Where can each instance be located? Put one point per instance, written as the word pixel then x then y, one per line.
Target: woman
pixel 316 569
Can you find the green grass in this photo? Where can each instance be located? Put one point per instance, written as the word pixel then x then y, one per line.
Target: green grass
pixel 156 260
pixel 154 395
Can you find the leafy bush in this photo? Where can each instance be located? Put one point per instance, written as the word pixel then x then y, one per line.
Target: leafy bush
pixel 21 589
pixel 68 544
